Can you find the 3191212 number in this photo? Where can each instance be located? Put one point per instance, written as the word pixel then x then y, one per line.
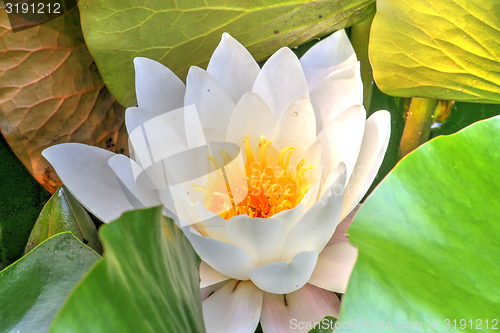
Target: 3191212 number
pixel 33 8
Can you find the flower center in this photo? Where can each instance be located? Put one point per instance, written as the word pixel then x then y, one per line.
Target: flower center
pixel 272 187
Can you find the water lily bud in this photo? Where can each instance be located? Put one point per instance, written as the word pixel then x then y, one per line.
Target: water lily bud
pixel 64 213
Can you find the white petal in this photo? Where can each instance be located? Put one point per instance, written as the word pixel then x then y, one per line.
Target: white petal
pixel 291 216
pixel 297 128
pixel 334 267
pixel 123 168
pixel 158 89
pixel 233 67
pixel 212 102
pixel 317 225
pixel 327 56
pixel 253 118
pixel 281 81
pixel 227 259
pixel 261 238
pixel 313 156
pixel 84 170
pixel 135 117
pixel 282 277
pixel 210 276
pixel 308 306
pixel 235 307
pixel 341 139
pixel 373 148
pixel 213 225
pixel 152 138
pixel 338 91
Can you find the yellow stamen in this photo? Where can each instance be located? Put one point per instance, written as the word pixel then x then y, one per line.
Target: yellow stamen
pixel 269 191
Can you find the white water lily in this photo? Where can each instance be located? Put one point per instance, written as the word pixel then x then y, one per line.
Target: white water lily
pixel 279 255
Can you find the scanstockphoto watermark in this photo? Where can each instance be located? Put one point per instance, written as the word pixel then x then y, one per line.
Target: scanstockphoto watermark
pixel 412 326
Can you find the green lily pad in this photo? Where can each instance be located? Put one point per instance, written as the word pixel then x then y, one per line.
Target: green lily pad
pixel 429 238
pixel 34 288
pixel 147 281
pixel 181 34
pixel 444 49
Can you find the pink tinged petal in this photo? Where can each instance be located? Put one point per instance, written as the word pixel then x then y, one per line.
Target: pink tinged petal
pixel 210 276
pixel 261 238
pixel 327 56
pixel 233 67
pixel 340 234
pixel 282 277
pixel 212 102
pixel 317 225
pixel 308 306
pixel 297 128
pixel 124 167
pixel 235 307
pixel 342 138
pixel 334 267
pixel 84 170
pixel 157 88
pixel 338 91
pixel 253 118
pixel 375 141
pixel 281 81
pixel 208 291
pixel 228 259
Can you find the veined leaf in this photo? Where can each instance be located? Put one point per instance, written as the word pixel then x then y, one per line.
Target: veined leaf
pixel 444 49
pixel 181 34
pixel 147 281
pixel 34 288
pixel 428 238
pixel 51 92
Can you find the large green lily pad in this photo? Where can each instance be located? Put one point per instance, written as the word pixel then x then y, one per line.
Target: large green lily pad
pixel 444 49
pixel 34 288
pixel 147 281
pixel 429 238
pixel 184 33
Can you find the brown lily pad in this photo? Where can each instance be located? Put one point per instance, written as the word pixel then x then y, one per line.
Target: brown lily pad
pixel 51 92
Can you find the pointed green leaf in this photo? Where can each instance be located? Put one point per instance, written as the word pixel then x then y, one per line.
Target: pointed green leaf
pixel 64 213
pixel 34 288
pixel 429 236
pixel 147 281
pixel 444 49
pixel 184 33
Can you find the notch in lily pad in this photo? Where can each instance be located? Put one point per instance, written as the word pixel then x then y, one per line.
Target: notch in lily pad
pixel 60 214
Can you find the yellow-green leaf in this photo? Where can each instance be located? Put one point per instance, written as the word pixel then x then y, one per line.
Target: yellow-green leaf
pixel 444 49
